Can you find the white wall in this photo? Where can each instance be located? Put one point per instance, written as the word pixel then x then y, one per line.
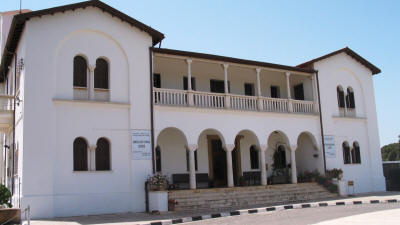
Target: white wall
pixel 256 127
pixel 50 125
pixel 343 70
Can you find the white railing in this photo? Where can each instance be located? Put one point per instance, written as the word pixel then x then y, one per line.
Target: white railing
pixel 219 100
pixel 6 102
pixel 303 106
pixel 170 97
pixel 243 102
pixel 208 99
pixel 274 104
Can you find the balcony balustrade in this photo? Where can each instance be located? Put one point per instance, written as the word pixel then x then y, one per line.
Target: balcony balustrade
pixel 172 97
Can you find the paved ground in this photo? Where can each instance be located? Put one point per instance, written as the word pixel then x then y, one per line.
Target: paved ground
pixel 143 218
pixel 381 214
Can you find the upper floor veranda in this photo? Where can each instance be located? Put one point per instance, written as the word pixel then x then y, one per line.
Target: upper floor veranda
pixel 229 83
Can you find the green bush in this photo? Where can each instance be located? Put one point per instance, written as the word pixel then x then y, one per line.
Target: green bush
pixel 5 196
pixel 333 188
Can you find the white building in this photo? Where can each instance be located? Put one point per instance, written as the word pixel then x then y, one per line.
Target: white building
pixel 83 93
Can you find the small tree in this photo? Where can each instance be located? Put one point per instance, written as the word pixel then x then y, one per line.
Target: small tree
pixel 5 196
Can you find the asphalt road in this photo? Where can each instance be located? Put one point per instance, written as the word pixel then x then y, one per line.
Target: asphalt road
pixel 310 215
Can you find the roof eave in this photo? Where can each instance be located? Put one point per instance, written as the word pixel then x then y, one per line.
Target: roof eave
pixel 20 19
pixel 374 70
pixel 230 59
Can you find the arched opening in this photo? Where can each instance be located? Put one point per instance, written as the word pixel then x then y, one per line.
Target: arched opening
pixel 278 156
pixel 80 154
pixel 346 153
pixel 103 154
pixel 246 159
pixel 340 96
pixel 171 156
pixel 350 103
pixel 308 158
pixel 356 156
pixel 212 143
pixel 101 74
pixel 80 72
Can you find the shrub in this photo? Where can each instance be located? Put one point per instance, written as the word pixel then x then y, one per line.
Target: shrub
pixel 333 188
pixel 5 196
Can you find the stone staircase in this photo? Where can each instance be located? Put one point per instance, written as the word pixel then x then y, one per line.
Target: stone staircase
pixel 243 197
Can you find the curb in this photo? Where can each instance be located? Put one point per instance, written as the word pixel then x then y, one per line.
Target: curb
pixel 270 209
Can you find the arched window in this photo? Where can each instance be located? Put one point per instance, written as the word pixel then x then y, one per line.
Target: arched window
pixel 346 153
pixel 254 162
pixel 350 98
pixel 158 159
pixel 80 154
pixel 80 71
pixel 101 74
pixel 102 154
pixel 356 153
pixel 340 96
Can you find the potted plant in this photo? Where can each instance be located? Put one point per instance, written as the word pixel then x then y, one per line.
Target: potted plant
pixel 158 182
pixel 335 174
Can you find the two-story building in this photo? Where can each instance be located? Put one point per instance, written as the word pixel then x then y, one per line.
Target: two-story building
pixel 91 107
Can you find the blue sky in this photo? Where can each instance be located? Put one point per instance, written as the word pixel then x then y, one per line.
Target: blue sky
pixel 284 32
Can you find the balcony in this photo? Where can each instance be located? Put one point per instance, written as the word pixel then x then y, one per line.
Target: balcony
pixel 6 111
pixel 183 98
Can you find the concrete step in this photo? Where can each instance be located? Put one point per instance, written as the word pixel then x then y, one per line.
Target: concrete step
pixel 265 192
pixel 260 196
pixel 219 198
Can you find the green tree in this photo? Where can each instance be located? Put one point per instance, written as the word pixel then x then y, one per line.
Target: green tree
pixel 391 152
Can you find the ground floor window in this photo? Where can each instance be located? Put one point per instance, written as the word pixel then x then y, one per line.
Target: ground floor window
pixel 102 154
pixel 80 154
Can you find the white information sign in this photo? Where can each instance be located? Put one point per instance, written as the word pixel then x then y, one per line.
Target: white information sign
pixel 141 145
pixel 330 148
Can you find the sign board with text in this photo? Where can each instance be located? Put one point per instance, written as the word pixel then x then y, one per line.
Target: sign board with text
pixel 141 145
pixel 330 148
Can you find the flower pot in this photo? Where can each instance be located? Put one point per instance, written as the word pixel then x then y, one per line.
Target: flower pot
pixel 158 187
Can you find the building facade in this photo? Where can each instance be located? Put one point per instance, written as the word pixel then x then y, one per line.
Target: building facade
pixel 83 84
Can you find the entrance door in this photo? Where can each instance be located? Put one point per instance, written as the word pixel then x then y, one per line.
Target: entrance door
pixel 218 158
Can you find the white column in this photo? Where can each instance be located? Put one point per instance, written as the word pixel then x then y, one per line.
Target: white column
pixel 92 158
pixel 263 148
pixel 91 82
pixel 226 86
pixel 189 83
pixel 228 150
pixel 259 101
pixel 192 168
pixel 315 91
pixel 258 70
pixel 293 163
pixel 189 80
pixel 290 107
